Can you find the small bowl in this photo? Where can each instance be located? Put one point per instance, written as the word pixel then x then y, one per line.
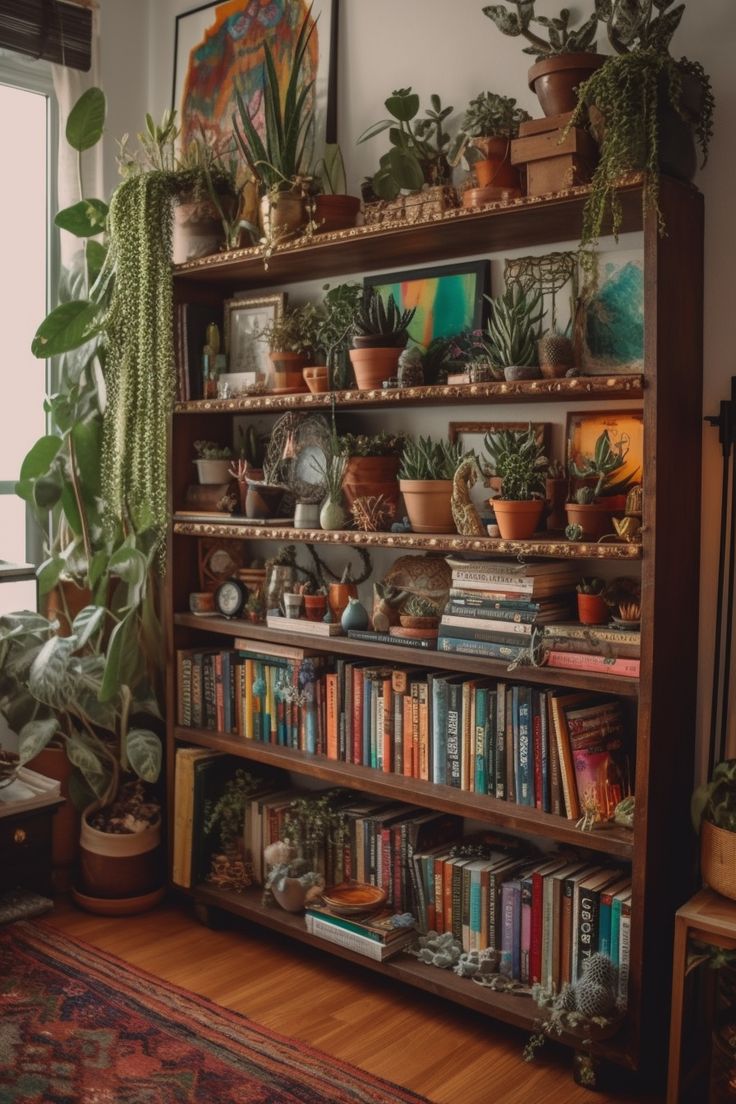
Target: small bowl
pixel 350 898
pixel 410 622
pixel 628 626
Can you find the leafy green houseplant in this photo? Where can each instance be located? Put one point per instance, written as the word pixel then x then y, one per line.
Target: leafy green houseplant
pixel 490 123
pixel 713 809
pixel 292 339
pixel 513 332
pixel 380 332
pixel 339 307
pixel 565 57
pixel 589 508
pixel 419 146
pixel 647 109
pixel 425 480
pixel 517 457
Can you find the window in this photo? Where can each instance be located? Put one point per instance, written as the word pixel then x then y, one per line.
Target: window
pixel 27 134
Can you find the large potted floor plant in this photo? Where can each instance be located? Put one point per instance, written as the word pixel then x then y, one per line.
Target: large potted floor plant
pixel 380 332
pixel 564 59
pixel 425 480
pixel 713 809
pixel 517 457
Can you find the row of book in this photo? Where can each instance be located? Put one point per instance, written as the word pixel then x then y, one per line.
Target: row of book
pixel 544 748
pixel 520 613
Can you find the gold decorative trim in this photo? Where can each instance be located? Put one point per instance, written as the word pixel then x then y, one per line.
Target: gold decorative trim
pixel 411 542
pixel 574 388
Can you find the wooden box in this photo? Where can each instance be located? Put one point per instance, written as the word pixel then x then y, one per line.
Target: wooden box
pixel 411 208
pixel 554 160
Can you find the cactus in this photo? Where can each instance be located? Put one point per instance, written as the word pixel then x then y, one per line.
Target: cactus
pixel 376 319
pixel 513 328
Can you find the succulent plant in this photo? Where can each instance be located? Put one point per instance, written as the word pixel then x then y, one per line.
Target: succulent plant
pixel 513 328
pixel 585 496
pixel 607 458
pixel 561 37
pixel 424 458
pixel 517 457
pixel 374 318
pixel 590 585
pixel 488 115
pixel 210 450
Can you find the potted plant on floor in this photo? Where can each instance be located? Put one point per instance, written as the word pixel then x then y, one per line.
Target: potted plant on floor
pixel 213 462
pixel 713 809
pixel 419 146
pixel 592 605
pixel 292 339
pixel 380 332
pixel 490 123
pixel 647 110
pixel 334 209
pixel 513 331
pixel 372 466
pixel 425 480
pixel 564 59
pixel 517 457
pixel 589 508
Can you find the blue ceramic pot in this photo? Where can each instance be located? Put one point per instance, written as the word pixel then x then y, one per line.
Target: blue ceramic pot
pixel 354 616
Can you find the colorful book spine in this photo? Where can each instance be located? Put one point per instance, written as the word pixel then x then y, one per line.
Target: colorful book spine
pixel 579 661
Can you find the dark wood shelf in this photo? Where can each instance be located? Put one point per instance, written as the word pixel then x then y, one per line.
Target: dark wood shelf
pixel 459 233
pixel 414 657
pixel 617 842
pixel 236 528
pixel 575 389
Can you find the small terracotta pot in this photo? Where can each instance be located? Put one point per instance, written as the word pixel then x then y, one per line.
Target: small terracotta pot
pixel 373 366
pixel 495 170
pixel 335 212
pixel 338 596
pixel 283 215
pixel 594 519
pixel 372 475
pixel 316 378
pixel 428 504
pixel 288 371
pixel 554 80
pixel 593 609
pixel 517 520
pixel 262 500
pixel 315 606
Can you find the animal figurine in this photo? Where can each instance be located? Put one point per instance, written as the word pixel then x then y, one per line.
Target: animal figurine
pixel 464 514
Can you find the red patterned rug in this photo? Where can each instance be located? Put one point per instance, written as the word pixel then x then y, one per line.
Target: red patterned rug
pixel 79 1026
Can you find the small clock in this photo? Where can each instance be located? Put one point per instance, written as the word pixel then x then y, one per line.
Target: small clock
pixel 230 598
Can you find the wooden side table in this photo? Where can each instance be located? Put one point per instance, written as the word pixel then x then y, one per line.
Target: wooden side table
pixel 708 918
pixel 25 848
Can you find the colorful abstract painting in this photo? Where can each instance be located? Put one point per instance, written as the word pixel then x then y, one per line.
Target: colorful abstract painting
pixel 613 331
pixel 447 300
pixel 219 49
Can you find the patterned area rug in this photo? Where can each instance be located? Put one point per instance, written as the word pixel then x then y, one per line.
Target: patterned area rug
pixel 78 1026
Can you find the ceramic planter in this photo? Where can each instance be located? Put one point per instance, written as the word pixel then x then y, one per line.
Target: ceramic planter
pixel 354 616
pixel 293 605
pixel 197 230
pixel 316 378
pixel 335 212
pixel 315 606
pixel 554 80
pixel 213 471
pixel 517 520
pixel 494 169
pixel 306 515
pixel 119 867
pixel 332 516
pixel 292 896
pixel 593 609
pixel 288 371
pixel 283 215
pixel 718 858
pixel 338 596
pixel 593 518
pixel 428 504
pixel 262 500
pixel 372 475
pixel 373 366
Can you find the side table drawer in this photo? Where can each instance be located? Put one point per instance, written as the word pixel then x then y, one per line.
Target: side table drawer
pixel 19 835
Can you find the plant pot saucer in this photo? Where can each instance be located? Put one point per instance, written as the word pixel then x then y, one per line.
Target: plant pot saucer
pixel 627 626
pixel 118 906
pixel 288 391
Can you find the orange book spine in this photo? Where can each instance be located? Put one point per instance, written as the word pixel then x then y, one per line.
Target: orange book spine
pixel 332 736
pixel 408 742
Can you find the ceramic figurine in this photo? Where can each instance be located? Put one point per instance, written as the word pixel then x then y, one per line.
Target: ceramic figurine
pixel 464 514
pixel 355 615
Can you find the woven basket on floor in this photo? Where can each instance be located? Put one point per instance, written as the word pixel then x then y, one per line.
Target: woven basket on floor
pixel 718 858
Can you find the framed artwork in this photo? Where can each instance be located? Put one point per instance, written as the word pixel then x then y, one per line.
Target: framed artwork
pixel 611 332
pixel 218 560
pixel 245 319
pixel 218 50
pixel 623 426
pixel 448 298
pixel 471 435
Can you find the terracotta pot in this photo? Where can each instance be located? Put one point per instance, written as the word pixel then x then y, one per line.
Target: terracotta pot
pixel 262 500
pixel 315 606
pixel 428 504
pixel 555 493
pixel 284 215
pixel 373 366
pixel 593 609
pixel 65 596
pixel 53 762
pixel 338 596
pixel 288 369
pixel 372 475
pixel 197 230
pixel 213 471
pixel 554 80
pixel 335 212
pixel 316 378
pixel 517 520
pixel 495 170
pixel 594 519
pixel 119 866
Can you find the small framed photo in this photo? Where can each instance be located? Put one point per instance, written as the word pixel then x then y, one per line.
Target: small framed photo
pixel 246 351
pixel 448 299
pixel 471 436
pixel 625 429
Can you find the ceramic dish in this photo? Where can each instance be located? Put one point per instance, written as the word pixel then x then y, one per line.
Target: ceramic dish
pixel 350 898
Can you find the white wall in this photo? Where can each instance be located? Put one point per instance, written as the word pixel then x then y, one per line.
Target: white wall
pixel 454 50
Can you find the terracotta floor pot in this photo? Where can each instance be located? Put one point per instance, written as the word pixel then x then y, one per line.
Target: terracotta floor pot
pixel 495 170
pixel 594 519
pixel 593 609
pixel 555 79
pixel 517 520
pixel 371 475
pixel 288 369
pixel 316 378
pixel 114 866
pixel 335 212
pixel 428 504
pixel 373 366
pixel 53 762
pixel 283 216
pixel 197 230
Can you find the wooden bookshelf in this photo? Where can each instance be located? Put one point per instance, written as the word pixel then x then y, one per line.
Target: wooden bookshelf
pixel 663 699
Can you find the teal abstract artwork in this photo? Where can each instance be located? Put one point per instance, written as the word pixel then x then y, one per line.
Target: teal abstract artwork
pixel 614 319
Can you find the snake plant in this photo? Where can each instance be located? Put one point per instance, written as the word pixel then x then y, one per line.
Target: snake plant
pixel 424 458
pixel 514 327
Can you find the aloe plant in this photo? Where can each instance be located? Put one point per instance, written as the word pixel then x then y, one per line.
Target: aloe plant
pixel 424 458
pixel 607 458
pixel 374 318
pixel 514 326
pixel 517 458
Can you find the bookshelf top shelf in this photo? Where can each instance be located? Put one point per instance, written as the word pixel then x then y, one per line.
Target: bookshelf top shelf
pixel 458 233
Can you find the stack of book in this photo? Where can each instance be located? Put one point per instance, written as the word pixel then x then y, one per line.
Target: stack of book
pixel 494 606
pixel 603 648
pixel 371 934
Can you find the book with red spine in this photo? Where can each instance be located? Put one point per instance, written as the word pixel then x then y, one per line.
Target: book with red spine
pixel 580 661
pixel 357 728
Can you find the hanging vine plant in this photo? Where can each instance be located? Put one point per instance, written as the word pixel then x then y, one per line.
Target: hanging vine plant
pixel 139 372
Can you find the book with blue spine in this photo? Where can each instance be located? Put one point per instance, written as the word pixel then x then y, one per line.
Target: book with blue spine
pixel 439 698
pixel 490 741
pixel 480 754
pixel 461 646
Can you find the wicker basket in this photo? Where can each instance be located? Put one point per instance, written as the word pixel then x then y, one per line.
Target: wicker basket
pixel 718 858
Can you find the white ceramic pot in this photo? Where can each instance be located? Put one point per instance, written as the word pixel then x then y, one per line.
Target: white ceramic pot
pixel 213 471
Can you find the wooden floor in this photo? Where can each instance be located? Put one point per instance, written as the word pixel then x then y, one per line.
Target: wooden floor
pixel 450 1055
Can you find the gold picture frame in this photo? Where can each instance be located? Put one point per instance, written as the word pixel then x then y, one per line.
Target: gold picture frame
pixel 584 427
pixel 466 431
pixel 245 318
